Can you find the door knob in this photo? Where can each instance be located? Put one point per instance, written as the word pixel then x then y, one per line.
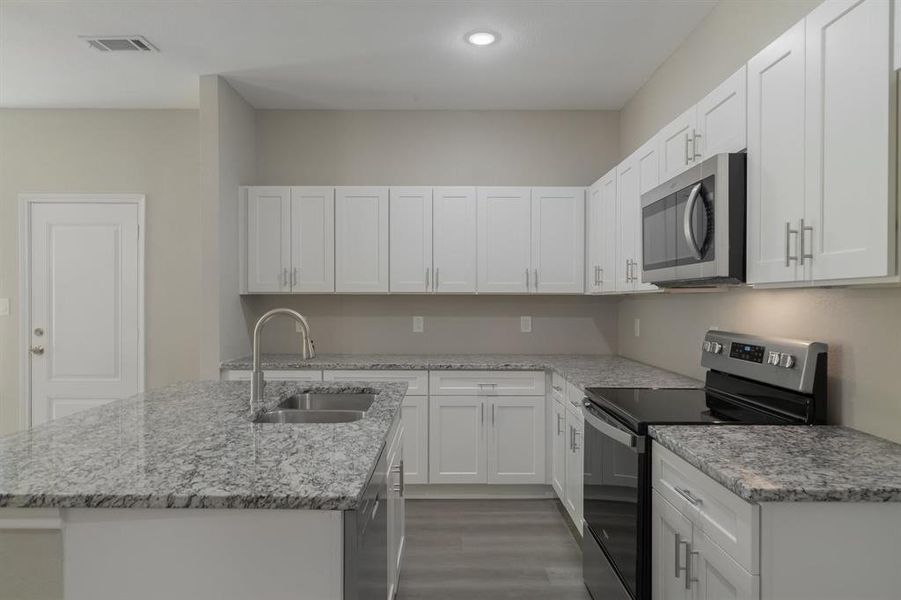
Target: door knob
pixel 37 350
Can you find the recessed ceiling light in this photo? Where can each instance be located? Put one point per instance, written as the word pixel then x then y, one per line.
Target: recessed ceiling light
pixel 482 38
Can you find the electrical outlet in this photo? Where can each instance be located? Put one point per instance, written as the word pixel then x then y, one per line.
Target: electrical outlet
pixel 4 307
pixel 637 327
pixel 417 324
pixel 525 324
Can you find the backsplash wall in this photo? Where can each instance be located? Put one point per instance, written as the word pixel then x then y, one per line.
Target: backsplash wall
pixel 472 324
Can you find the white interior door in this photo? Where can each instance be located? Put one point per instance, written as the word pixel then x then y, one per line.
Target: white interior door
pixel 313 239
pixel 454 239
pixel 505 246
pixel 558 240
pixel 411 239
pixel 85 270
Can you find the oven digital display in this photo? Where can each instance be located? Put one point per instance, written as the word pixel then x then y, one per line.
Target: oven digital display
pixel 747 352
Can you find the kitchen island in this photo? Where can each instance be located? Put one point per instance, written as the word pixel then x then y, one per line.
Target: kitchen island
pixel 125 484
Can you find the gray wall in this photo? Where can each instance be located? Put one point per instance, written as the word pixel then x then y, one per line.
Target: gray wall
pixel 862 326
pixel 154 152
pixel 439 148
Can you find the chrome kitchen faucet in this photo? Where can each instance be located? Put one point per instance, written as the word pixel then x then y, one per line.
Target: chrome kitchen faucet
pixel 308 352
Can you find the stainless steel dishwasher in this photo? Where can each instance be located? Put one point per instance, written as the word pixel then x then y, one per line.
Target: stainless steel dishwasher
pixel 366 539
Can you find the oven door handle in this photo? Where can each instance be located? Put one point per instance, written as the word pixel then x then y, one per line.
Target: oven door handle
pixel 688 228
pixel 633 442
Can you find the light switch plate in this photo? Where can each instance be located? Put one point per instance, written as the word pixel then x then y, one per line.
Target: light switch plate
pixel 417 324
pixel 525 324
pixel 4 307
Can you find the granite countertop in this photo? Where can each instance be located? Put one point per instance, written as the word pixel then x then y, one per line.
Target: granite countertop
pixel 584 370
pixel 772 463
pixel 193 445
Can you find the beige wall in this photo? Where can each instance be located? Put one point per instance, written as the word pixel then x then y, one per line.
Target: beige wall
pixel 472 324
pixel 435 147
pixel 228 160
pixel 731 34
pixel 154 152
pixel 862 326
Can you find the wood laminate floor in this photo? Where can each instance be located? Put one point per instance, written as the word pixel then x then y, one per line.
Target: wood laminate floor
pixel 489 549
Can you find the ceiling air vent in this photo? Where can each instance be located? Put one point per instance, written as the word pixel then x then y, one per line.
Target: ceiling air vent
pixel 120 43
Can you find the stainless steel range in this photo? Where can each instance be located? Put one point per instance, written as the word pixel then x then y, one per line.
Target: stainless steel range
pixel 750 380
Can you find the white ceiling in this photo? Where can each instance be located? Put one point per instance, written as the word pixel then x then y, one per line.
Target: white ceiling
pixel 330 54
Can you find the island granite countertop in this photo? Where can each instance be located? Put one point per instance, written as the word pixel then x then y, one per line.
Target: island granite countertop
pixel 583 370
pixel 193 445
pixel 775 463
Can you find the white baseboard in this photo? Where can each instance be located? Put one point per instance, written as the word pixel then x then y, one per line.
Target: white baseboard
pixel 439 491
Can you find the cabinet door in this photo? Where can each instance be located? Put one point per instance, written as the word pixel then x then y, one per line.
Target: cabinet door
pixel 411 239
pixel 670 547
pixel 558 448
pixel 850 191
pixel 454 239
pixel 516 448
pixel 457 440
pixel 268 239
pixel 627 215
pixel 610 227
pixel 723 117
pixel 776 115
pixel 505 246
pixel 675 144
pixel 716 576
pixel 415 413
pixel 648 178
pixel 361 239
pixel 312 239
pixel 574 468
pixel 558 240
pixel 594 236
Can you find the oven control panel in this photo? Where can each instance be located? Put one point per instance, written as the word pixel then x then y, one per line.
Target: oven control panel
pixel 785 363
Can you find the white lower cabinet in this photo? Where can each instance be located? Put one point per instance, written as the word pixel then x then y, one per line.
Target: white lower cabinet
pixel 457 440
pixel 573 460
pixel 558 446
pixel 671 531
pixel 515 431
pixel 717 576
pixel 415 412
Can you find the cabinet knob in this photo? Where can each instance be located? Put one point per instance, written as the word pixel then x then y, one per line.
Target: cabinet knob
pixel 38 350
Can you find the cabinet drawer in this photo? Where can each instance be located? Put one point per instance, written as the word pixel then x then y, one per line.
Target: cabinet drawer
pixel 417 381
pixel 726 519
pixel 487 383
pixel 273 375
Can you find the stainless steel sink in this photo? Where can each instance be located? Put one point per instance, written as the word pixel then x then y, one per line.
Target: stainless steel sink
pixel 309 416
pixel 326 401
pixel 321 407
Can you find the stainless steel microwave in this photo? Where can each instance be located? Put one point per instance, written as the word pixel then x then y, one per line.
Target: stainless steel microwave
pixel 693 226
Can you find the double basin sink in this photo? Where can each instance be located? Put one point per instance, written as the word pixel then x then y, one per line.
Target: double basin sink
pixel 318 407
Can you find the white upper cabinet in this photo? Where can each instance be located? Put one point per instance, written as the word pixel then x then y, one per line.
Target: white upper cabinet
pixel 505 246
pixel 776 115
pixel 454 240
pixel 361 239
pixel 595 232
pixel 312 239
pixel 722 118
pixel 675 145
pixel 558 240
pixel 411 239
pixel 628 235
pixel 849 220
pixel 648 178
pixel 268 239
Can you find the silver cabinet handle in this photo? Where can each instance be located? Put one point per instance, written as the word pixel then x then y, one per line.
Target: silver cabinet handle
pixel 36 350
pixel 695 136
pixel 802 237
pixel 576 435
pixel 676 551
pixel 527 280
pixel 559 421
pixel 482 413
pixel 536 280
pixel 688 577
pixel 628 265
pixel 436 278
pixel 427 278
pixel 493 407
pixel 294 277
pixel 694 500
pixel 600 275
pixel 285 277
pixel 686 148
pixel 571 438
pixel 597 276
pixel 788 233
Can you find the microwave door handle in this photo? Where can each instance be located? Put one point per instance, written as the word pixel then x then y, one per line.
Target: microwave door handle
pixel 688 222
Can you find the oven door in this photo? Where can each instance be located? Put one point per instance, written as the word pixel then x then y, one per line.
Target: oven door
pixel 616 498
